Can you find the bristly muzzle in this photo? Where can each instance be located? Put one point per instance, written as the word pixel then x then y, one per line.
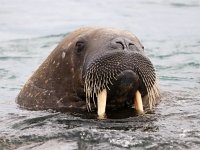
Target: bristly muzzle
pixel 101 71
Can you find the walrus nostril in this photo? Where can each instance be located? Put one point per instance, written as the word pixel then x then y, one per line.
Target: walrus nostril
pixel 130 44
pixel 122 45
pixel 118 43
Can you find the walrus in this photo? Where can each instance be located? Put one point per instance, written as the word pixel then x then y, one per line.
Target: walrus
pixel 93 68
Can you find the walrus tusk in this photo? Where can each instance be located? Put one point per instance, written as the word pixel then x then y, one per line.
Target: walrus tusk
pixel 101 104
pixel 138 102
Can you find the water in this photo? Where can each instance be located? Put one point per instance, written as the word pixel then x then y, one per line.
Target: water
pixel 170 32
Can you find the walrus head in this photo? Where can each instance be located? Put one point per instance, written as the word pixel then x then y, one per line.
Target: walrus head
pixel 115 62
pixel 102 66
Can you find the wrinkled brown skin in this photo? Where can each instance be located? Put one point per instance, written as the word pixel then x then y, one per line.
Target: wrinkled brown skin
pixel 57 84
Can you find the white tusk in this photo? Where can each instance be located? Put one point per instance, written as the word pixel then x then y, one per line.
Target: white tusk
pixel 138 102
pixel 101 104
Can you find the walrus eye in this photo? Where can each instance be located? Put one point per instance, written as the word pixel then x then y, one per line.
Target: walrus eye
pixel 80 45
pixel 143 47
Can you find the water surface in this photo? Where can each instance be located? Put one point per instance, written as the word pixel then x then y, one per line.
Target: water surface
pixel 170 33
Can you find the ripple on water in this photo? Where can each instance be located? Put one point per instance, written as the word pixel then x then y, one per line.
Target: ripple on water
pixel 42 128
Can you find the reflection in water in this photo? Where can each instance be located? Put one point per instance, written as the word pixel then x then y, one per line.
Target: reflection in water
pixel 44 126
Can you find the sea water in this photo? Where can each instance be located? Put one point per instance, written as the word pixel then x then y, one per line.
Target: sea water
pixel 170 33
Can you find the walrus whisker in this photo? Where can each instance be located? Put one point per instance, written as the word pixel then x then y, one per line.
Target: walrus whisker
pixel 97 85
pixel 88 95
pixel 101 82
pixel 101 77
pixel 114 76
pixel 107 85
pixel 93 99
pixel 148 87
pixel 110 81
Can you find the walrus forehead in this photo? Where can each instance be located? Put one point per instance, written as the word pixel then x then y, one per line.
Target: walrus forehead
pixel 103 30
pixel 103 33
pixel 97 36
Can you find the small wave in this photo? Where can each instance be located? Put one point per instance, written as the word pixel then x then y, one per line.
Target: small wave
pixel 176 4
pixel 187 65
pixel 15 57
pixel 61 35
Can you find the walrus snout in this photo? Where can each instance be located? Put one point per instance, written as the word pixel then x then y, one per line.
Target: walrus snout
pixel 121 43
pixel 123 88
